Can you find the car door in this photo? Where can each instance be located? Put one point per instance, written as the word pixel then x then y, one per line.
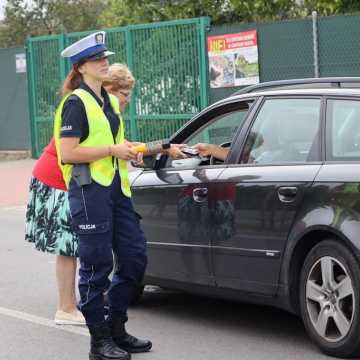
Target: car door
pixel 173 202
pixel 262 190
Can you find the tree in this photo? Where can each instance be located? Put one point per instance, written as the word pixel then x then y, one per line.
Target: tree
pixel 16 23
pixel 263 10
pixel 45 17
pixel 56 16
pixel 122 12
pixel 330 7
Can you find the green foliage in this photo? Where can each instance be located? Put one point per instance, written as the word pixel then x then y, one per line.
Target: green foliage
pixel 122 12
pixel 166 89
pixel 15 25
pixel 43 17
pixel 331 7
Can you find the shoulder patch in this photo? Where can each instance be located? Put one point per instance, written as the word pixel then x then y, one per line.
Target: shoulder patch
pixel 66 128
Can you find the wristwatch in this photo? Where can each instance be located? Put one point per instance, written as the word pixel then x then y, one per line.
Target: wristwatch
pixel 165 144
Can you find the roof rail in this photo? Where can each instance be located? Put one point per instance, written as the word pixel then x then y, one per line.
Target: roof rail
pixel 325 82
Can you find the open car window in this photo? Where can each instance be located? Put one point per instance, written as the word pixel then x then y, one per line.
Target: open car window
pixel 219 131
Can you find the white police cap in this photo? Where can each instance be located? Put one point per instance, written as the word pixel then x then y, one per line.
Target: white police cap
pixel 91 47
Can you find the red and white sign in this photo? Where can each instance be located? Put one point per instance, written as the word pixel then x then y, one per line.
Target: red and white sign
pixel 233 59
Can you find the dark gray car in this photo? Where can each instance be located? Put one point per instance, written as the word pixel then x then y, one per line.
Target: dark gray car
pixel 277 222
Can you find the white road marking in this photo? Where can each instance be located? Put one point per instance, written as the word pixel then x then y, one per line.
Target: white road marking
pixel 43 321
pixel 13 208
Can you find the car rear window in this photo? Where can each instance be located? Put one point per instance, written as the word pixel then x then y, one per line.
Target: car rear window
pixel 343 130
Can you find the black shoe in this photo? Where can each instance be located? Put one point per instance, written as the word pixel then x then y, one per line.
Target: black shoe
pixel 126 341
pixel 132 344
pixel 102 345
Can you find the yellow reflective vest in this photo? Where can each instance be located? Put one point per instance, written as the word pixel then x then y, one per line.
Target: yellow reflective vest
pixel 102 170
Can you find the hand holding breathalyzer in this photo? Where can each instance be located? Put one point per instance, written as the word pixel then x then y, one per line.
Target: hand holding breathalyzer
pixel 156 147
pixel 123 151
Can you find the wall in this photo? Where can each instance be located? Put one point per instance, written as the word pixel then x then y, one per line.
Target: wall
pixel 14 116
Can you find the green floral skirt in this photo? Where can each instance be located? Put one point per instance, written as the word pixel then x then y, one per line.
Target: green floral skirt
pixel 48 220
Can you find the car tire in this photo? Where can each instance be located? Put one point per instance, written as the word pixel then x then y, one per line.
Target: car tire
pixel 330 298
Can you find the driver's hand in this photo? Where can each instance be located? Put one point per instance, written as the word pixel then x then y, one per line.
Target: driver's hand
pixel 175 151
pixel 204 149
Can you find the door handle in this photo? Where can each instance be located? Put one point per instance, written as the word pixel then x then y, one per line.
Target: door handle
pixel 200 194
pixel 287 193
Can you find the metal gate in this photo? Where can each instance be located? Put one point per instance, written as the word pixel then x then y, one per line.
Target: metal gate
pixel 168 60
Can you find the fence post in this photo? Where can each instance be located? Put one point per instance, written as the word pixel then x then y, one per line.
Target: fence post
pixel 130 64
pixel 315 44
pixel 204 66
pixel 31 96
pixel 62 60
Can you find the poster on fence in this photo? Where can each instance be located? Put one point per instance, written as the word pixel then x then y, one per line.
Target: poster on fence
pixel 20 63
pixel 233 59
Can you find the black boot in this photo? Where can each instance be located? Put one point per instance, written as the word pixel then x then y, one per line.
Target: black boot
pixel 103 346
pixel 126 341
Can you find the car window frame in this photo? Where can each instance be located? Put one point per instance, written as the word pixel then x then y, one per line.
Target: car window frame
pixel 206 117
pixel 246 129
pixel 327 141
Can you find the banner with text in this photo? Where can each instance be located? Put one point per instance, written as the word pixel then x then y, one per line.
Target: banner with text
pixel 233 59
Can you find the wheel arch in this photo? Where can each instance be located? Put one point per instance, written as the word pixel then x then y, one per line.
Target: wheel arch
pixel 303 246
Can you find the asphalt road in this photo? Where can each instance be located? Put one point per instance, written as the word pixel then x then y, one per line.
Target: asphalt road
pixel 182 327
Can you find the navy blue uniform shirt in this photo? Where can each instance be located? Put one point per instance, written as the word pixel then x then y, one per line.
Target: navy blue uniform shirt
pixel 74 120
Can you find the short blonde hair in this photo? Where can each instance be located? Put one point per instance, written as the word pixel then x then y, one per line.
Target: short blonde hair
pixel 120 77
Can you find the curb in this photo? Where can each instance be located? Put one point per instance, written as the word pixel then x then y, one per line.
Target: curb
pixel 9 155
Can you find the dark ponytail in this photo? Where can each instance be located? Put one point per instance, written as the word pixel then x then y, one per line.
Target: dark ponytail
pixel 72 81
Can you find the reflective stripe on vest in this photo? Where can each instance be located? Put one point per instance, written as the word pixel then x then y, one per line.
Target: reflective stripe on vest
pixel 102 170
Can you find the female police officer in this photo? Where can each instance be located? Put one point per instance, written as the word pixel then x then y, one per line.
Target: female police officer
pixel 89 135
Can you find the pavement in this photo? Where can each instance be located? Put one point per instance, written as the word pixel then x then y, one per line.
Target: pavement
pixel 14 182
pixel 8 155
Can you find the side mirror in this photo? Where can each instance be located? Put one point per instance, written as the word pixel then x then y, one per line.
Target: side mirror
pixel 148 162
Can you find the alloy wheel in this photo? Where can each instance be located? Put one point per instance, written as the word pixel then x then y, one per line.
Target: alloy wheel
pixel 330 299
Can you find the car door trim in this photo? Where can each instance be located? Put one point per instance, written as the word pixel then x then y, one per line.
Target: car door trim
pixel 273 254
pixel 161 244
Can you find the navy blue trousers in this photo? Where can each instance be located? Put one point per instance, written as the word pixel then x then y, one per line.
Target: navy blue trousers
pixel 108 229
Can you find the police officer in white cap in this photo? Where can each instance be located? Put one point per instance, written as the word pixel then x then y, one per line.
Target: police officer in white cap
pixel 89 137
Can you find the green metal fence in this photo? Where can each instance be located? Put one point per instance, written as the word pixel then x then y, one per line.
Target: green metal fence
pixel 285 51
pixel 45 74
pixel 168 60
pixel 286 48
pixel 339 50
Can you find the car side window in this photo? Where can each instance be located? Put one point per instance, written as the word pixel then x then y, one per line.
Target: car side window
pixel 343 130
pixel 219 131
pixel 285 130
